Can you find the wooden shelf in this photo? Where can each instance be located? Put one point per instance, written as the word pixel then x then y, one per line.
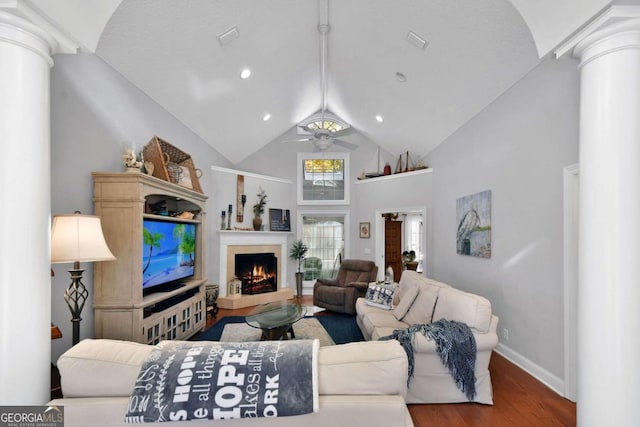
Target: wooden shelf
pixel 171 218
pixel 157 297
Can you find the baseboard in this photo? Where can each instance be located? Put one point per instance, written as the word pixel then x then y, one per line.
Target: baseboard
pixel 547 378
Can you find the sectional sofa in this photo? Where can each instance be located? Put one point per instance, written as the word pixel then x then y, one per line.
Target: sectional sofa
pixel 422 300
pixel 360 383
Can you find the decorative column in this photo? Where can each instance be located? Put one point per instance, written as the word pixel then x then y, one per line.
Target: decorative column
pixel 25 282
pixel 609 283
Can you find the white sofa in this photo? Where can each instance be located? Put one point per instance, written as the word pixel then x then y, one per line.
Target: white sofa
pixel 359 384
pixel 423 300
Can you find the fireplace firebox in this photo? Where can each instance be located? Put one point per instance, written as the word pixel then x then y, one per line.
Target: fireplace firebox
pixel 258 272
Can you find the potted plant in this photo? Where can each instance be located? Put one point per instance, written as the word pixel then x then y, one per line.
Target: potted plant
pixel 258 209
pixel 409 258
pixel 299 252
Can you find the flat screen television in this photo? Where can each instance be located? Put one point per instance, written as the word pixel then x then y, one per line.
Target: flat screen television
pixel 168 254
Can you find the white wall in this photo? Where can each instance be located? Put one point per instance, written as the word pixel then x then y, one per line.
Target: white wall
pixel 95 114
pixel 517 148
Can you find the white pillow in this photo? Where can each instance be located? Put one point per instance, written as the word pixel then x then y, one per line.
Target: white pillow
pixel 380 295
pixel 405 303
pixel 421 311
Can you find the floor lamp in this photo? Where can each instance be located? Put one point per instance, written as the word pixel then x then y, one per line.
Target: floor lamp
pixel 77 238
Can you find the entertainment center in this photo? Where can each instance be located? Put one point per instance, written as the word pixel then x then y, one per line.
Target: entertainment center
pixel 154 290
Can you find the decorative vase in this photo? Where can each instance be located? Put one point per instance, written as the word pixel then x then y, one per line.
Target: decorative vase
pixel 299 279
pixel 257 223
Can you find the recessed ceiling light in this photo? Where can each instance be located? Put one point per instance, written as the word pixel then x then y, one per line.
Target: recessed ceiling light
pixel 379 118
pixel 266 117
pixel 245 73
pixel 401 77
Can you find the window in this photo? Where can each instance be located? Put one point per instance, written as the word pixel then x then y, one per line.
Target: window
pixel 323 178
pixel 413 236
pixel 326 121
pixel 324 234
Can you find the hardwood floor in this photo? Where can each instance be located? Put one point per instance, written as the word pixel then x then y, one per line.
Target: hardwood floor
pixel 519 399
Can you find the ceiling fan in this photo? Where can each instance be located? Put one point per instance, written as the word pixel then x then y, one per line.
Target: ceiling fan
pixel 322 134
pixel 324 138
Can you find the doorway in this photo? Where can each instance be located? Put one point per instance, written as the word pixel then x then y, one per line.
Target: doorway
pixel 411 228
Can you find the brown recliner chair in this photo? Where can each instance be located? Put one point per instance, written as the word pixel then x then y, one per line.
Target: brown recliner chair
pixel 340 294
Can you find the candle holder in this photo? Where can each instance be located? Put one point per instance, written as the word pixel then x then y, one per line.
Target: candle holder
pixel 229 218
pixel 223 221
pixel 240 214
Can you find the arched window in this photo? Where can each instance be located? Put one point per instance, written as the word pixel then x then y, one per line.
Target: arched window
pixel 326 120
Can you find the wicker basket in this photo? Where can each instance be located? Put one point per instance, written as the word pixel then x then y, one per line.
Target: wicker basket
pixel 172 164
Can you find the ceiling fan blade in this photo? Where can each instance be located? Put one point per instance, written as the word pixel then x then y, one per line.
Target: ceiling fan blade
pixel 342 132
pixel 345 144
pixel 298 140
pixel 306 129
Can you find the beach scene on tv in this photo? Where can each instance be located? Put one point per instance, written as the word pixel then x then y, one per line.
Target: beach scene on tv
pixel 168 252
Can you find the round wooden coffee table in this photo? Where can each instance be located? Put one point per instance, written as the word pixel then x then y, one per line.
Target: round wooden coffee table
pixel 276 319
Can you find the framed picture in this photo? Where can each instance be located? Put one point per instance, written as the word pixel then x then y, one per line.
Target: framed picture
pixel 473 215
pixel 365 230
pixel 279 220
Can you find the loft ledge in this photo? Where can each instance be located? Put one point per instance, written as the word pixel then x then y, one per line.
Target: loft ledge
pixel 395 175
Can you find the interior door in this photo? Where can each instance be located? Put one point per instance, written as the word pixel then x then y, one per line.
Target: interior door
pixel 393 247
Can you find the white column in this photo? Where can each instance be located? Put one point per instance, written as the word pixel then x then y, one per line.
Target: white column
pixel 25 296
pixel 609 283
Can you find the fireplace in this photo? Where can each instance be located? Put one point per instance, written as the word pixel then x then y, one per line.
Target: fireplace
pixel 234 243
pixel 258 272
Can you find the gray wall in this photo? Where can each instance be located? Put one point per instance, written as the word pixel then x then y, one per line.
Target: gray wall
pixel 95 115
pixel 517 148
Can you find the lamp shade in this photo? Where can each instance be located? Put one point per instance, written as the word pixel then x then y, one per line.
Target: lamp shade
pixel 77 237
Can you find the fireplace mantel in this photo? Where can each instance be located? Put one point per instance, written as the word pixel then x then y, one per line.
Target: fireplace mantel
pixel 253 234
pixel 250 238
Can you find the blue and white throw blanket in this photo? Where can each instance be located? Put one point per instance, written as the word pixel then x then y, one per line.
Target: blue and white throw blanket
pixel 455 345
pixel 214 380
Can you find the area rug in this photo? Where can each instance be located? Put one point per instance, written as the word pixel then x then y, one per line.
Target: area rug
pixel 342 328
pixel 305 329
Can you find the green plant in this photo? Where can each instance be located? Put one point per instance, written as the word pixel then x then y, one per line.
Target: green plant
pixel 409 256
pixel 258 208
pixel 298 252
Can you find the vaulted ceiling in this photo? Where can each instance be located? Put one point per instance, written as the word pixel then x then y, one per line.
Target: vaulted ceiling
pixel 476 50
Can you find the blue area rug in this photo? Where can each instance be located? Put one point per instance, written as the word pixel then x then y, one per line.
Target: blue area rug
pixel 341 327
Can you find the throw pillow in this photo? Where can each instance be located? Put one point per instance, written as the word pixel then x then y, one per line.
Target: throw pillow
pixel 380 295
pixel 421 311
pixel 405 303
